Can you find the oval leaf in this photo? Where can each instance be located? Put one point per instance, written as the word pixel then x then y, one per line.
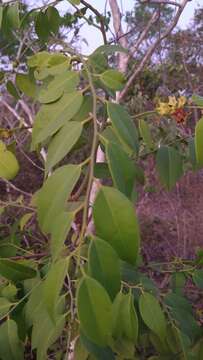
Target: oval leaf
pixel 123 126
pixel 50 202
pixel 169 165
pixel 152 314
pixel 104 266
pixel 115 221
pixel 9 166
pixel 121 167
pixel 113 79
pixel 62 143
pixel 94 311
pixel 145 133
pixel 10 346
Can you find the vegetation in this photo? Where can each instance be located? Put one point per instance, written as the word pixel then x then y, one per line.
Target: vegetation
pixel 74 281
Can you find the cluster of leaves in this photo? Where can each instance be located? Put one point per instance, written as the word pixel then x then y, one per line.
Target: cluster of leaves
pixel 91 290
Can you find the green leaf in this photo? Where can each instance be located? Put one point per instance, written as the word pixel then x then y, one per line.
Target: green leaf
pixel 50 203
pixel 198 100
pixel 198 278
pixel 125 321
pixel 53 18
pixel 26 85
pixel 110 49
pixel 4 306
pixel 65 82
pixel 62 143
pixel 9 166
pixel 12 15
pixel 45 332
pixel 12 90
pixel 123 126
pixel 53 285
pixel 130 320
pixel 104 266
pixel 98 62
pixel 85 109
pixel 100 353
pixel 152 314
pixel 101 170
pixel 169 165
pixel 115 221
pixel 80 352
pixel 10 345
pixel 94 311
pixel 199 142
pixel 42 26
pixel 74 2
pixel 145 134
pixel 52 117
pixel 15 271
pixel 192 154
pixel 1 15
pixel 59 232
pixel 113 79
pixel 122 169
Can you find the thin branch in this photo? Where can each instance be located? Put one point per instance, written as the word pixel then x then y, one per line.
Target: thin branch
pixel 136 70
pixel 160 2
pixel 100 17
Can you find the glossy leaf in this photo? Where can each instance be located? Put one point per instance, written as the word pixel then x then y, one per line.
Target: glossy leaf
pixel 59 232
pixel 199 142
pixel 113 79
pixel 152 314
pixel 50 202
pixel 62 143
pixel 9 166
pixel 10 345
pixel 122 168
pixel 115 221
pixel 15 271
pixel 52 117
pixel 94 311
pixel 169 165
pixel 123 126
pixel 53 285
pixel 145 134
pixel 104 265
pixel 42 26
pixel 53 19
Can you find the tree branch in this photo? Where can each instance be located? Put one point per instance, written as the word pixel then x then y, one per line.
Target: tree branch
pixel 136 70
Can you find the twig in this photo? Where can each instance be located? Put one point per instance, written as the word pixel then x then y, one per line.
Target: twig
pixel 136 70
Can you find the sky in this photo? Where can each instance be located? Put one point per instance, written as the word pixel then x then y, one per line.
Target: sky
pixel 94 38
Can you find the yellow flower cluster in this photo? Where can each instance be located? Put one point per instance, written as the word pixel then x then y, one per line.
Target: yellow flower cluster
pixel 168 108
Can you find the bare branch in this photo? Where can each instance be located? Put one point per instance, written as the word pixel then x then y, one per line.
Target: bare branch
pixel 116 14
pixel 136 70
pixel 160 2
